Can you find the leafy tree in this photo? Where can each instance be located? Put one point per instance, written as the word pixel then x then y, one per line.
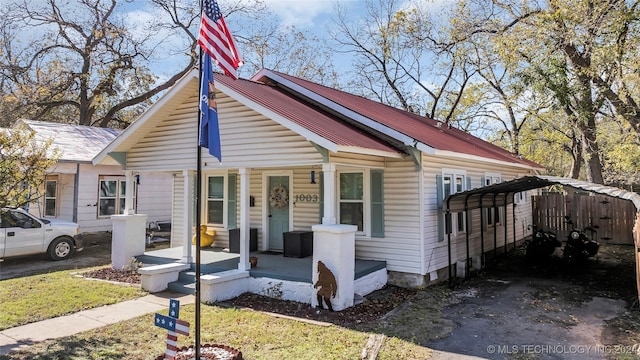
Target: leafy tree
pixel 621 154
pixel 401 59
pixel 580 51
pixel 23 165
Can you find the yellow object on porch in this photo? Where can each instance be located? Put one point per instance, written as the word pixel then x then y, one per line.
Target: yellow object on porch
pixel 206 236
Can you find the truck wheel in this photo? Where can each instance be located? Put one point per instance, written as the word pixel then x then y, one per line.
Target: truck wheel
pixel 60 249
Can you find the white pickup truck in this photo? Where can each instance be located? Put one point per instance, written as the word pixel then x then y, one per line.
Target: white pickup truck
pixel 23 234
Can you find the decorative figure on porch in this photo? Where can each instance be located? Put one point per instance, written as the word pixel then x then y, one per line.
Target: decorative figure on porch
pixel 328 286
pixel 206 236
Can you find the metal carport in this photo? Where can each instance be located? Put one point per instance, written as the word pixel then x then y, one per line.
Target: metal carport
pixel 503 194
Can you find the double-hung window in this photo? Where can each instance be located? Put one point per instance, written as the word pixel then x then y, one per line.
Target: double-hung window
pixel 360 201
pixel 50 196
pixel 492 214
pixel 112 195
pixel 215 200
pixel 454 181
pixel 352 199
pixel 221 200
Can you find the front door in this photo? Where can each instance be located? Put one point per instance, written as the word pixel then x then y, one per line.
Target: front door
pixel 278 203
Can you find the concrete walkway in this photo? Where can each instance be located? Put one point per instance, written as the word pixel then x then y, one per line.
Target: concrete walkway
pixel 14 338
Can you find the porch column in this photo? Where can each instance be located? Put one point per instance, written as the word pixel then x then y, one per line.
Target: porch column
pixel 334 246
pixel 187 217
pixel 128 200
pixel 244 219
pixel 329 181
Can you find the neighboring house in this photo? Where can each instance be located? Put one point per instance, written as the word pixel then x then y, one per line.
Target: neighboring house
pixel 88 194
pixel 382 169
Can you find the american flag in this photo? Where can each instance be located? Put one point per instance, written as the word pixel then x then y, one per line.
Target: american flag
pixel 174 327
pixel 216 40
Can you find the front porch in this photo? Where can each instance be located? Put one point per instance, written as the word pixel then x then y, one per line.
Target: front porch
pixel 270 264
pixel 276 276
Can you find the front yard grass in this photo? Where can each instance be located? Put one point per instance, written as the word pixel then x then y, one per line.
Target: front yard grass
pixel 33 298
pixel 257 335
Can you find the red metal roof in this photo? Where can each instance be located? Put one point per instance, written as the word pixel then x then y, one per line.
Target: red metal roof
pixel 305 114
pixel 425 130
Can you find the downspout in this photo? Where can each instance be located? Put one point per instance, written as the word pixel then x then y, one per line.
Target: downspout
pixel 468 226
pixel 513 213
pixel 481 233
pixel 505 223
pixel 447 214
pixel 495 230
pixel 76 183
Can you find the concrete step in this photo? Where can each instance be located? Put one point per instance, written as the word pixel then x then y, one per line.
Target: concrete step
pixel 183 288
pixel 187 276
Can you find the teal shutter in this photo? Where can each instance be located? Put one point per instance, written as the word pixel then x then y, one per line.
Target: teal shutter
pixel 440 211
pixel 377 203
pixel 321 195
pixel 232 201
pixel 468 183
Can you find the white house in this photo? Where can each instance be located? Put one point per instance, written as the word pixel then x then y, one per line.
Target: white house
pixel 296 154
pixel 76 190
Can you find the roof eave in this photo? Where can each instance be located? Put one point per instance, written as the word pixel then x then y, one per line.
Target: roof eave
pixel 367 151
pixel 458 155
pixel 306 133
pixel 368 122
pixel 114 146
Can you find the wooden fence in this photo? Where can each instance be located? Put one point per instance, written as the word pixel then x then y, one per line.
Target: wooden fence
pixel 612 218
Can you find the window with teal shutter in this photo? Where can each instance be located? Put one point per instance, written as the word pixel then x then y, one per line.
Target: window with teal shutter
pixel 377 203
pixel 232 203
pixel 215 200
pixel 351 201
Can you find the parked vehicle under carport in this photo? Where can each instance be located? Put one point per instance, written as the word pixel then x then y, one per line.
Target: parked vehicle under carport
pixel 23 234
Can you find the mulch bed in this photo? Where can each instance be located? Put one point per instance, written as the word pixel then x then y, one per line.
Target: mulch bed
pixel 110 274
pixel 374 306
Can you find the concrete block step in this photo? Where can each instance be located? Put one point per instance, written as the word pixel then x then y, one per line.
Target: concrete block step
pixel 187 276
pixel 183 288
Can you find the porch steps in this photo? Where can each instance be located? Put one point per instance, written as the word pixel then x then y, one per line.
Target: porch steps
pixel 186 283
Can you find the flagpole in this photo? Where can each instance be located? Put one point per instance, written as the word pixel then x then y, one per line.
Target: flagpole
pixel 198 209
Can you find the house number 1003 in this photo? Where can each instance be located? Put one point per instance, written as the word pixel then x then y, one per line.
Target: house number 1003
pixel 307 198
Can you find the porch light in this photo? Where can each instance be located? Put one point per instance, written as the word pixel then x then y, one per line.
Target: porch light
pixel 313 176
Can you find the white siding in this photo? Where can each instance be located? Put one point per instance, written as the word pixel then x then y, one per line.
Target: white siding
pixel 248 139
pixel 154 196
pixel 401 246
pixel 88 184
pixel 178 209
pixel 436 255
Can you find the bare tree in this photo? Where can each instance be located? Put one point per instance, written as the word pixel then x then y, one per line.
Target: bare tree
pixel 400 60
pixel 84 64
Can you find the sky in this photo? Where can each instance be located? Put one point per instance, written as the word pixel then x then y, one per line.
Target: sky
pixel 315 16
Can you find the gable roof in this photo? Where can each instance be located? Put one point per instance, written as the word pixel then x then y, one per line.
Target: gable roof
pixel 303 114
pixel 428 135
pixel 77 143
pixel 311 122
pixel 333 119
